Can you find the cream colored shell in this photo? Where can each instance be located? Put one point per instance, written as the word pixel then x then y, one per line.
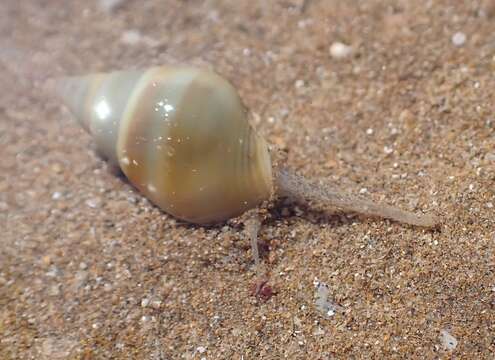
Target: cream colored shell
pixel 180 135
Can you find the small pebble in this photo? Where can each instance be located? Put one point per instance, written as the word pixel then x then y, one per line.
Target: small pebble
pixel 299 84
pixel 47 260
pixel 54 290
pixel 57 168
pixel 458 39
pixel 388 150
pixel 340 50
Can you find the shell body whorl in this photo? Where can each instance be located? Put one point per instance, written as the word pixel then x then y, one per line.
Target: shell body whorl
pixel 180 135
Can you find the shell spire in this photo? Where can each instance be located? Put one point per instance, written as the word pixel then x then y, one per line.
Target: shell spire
pixel 71 90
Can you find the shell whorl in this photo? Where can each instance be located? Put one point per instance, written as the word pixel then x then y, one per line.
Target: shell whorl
pixel 180 135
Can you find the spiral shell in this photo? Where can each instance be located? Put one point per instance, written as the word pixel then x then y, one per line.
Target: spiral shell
pixel 179 134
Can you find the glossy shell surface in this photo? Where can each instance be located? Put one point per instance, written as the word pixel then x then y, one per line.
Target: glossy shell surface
pixel 179 134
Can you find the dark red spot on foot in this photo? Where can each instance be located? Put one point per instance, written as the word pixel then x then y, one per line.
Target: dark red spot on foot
pixel 262 290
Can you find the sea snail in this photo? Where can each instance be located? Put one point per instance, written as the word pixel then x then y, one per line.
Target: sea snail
pixel 181 136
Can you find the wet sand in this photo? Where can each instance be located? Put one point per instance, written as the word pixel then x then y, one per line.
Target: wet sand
pixel 403 112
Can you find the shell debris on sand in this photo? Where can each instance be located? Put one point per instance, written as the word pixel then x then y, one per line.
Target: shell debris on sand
pixel 448 341
pixel 323 302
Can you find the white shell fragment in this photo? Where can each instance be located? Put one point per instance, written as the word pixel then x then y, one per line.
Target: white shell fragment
pixel 323 302
pixel 448 341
